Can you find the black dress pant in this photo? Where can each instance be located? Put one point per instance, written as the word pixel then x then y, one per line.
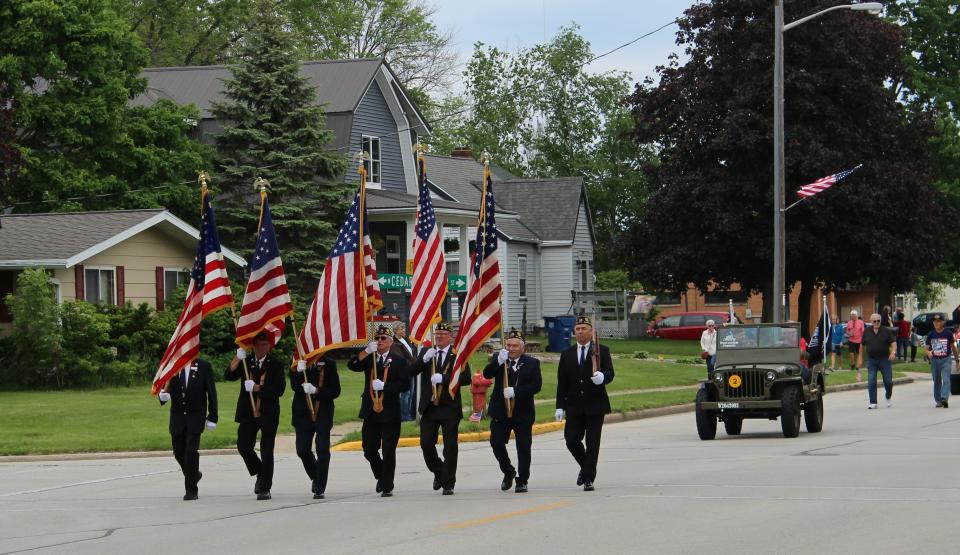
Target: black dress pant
pixel 578 426
pixel 500 435
pixel 261 466
pixel 317 466
pixel 186 448
pixel 374 434
pixel 446 469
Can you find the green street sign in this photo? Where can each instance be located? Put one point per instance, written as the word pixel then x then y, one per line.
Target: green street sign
pixel 403 281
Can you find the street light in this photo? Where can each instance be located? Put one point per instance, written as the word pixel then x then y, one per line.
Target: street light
pixel 779 230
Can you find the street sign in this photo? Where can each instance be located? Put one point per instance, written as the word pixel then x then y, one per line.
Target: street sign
pixel 455 283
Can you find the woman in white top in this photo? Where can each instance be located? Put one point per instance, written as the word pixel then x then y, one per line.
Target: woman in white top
pixel 708 344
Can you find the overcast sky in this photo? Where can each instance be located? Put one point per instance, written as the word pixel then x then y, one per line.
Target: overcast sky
pixel 513 24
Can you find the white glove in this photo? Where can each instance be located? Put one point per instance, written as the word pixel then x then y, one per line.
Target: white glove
pixel 241 354
pixel 301 365
pixel 211 425
pixel 371 347
pixel 377 385
pixel 559 415
pixel 309 388
pixel 597 378
pixel 164 396
pixel 428 356
pixel 248 385
pixel 502 357
pixel 436 379
pixel 508 393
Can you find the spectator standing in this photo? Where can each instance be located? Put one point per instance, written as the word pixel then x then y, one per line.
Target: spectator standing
pixel 940 345
pixel 914 343
pixel 409 353
pixel 886 319
pixel 854 339
pixel 880 344
pixel 903 336
pixel 838 336
pixel 708 344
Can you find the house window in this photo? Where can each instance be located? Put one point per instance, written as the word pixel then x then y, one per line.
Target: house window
pixel 7 281
pixel 522 275
pixel 393 254
pixel 667 298
pixel 721 296
pixel 583 273
pixel 99 285
pixel 173 278
pixel 371 147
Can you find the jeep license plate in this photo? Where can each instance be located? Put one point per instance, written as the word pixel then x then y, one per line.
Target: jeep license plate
pixel 728 405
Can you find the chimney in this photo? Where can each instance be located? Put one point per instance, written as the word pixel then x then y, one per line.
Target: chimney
pixel 465 153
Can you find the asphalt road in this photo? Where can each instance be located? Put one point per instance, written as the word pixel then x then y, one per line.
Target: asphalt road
pixel 879 481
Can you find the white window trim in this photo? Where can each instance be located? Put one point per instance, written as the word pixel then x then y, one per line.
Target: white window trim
pixel 59 285
pixel 100 268
pixel 522 276
pixel 166 294
pixel 398 256
pixel 583 274
pixel 370 182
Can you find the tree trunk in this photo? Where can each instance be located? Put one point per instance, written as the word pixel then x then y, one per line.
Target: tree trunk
pixel 803 306
pixel 768 304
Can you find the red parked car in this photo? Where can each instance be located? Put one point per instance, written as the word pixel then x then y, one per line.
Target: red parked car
pixel 687 325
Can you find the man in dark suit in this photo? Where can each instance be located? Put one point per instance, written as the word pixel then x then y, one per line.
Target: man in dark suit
pixel 582 377
pixel 523 382
pixel 445 412
pixel 194 407
pixel 315 385
pixel 267 384
pixel 386 378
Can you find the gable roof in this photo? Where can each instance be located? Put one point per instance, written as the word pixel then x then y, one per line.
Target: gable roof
pixel 551 220
pixel 340 84
pixel 460 177
pixel 62 240
pixel 382 201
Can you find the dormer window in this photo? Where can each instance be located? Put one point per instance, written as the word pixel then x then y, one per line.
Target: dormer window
pixel 371 148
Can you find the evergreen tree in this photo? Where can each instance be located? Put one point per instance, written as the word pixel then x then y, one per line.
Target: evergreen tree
pixel 274 129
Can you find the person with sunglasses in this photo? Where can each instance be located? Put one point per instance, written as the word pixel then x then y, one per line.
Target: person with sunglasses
pixel 880 343
pixel 386 378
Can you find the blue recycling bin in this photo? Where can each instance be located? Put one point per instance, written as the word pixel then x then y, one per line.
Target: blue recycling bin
pixel 559 332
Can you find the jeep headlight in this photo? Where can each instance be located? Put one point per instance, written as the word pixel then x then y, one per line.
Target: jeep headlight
pixel 718 377
pixel 771 375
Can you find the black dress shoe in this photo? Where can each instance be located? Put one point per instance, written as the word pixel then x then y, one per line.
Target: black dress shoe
pixel 521 487
pixel 507 482
pixel 264 496
pixel 448 491
pixel 387 494
pixel 190 496
pixel 436 483
pixel 379 487
pixel 580 478
pixel 256 486
pixel 588 486
pixel 318 496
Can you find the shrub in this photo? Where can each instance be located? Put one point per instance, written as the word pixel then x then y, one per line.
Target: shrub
pixel 36 336
pixel 641 354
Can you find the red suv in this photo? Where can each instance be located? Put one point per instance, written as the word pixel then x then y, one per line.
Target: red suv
pixel 687 325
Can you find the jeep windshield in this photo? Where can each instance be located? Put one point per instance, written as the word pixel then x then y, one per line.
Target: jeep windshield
pixel 758 337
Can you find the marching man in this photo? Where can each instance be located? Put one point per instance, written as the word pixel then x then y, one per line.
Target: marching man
pixel 314 386
pixel 523 382
pixel 582 394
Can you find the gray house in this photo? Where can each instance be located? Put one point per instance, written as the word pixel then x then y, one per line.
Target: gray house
pixel 369 111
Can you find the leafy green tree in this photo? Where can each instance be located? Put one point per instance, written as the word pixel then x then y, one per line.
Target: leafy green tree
pixel 11 160
pixel 37 334
pixel 276 131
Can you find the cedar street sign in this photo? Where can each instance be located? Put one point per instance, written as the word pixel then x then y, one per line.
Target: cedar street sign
pixel 404 281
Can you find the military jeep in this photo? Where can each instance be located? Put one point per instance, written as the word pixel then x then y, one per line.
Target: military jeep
pixel 758 375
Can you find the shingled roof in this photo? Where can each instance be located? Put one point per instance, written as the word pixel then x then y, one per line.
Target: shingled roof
pixel 460 177
pixel 548 207
pixel 65 239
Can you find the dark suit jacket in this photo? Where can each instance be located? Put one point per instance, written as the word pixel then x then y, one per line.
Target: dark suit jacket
pixel 322 399
pixel 575 392
pixel 269 376
pixel 449 407
pixel 189 409
pixel 398 381
pixel 526 382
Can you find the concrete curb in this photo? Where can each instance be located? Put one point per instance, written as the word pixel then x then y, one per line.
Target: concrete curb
pixel 542 428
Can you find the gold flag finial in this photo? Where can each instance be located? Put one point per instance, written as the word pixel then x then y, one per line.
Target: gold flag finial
pixel 485 157
pixel 203 178
pixel 261 184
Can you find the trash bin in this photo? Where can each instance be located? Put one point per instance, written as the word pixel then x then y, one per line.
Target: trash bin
pixel 559 331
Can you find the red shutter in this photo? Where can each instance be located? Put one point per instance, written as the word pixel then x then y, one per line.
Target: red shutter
pixel 78 279
pixel 121 287
pixel 158 277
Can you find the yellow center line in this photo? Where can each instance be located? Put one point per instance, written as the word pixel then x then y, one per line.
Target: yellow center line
pixel 504 516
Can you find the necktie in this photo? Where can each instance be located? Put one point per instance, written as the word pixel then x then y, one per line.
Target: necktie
pixel 583 354
pixel 183 378
pixel 440 359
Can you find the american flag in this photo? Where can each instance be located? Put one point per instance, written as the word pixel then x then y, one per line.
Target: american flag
pixel 207 292
pixel 337 316
pixel 481 311
pixel 266 302
pixel 429 287
pixel 825 183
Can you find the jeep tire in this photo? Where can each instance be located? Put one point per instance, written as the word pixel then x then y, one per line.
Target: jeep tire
pixel 813 415
pixel 706 420
pixel 733 425
pixel 790 411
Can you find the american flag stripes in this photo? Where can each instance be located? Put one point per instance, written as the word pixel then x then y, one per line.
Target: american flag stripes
pixel 825 183
pixel 337 316
pixel 481 311
pixel 207 292
pixel 266 302
pixel 429 286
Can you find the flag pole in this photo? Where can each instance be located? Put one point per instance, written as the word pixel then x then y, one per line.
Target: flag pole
pixel 481 220
pixel 361 251
pixel 296 346
pixel 506 374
